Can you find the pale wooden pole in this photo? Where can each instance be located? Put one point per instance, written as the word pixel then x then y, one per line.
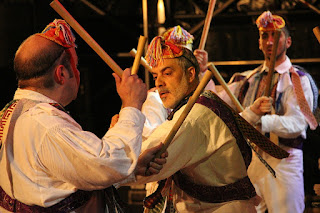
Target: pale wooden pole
pixel 137 58
pixel 58 7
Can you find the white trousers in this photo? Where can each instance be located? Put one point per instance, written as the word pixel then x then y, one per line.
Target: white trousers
pixel 285 193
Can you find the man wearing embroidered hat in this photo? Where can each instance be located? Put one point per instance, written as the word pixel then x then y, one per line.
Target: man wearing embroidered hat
pixel 206 170
pixel 290 85
pixel 47 162
pixel 153 108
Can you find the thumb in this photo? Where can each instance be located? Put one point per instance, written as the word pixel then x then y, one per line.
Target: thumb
pixel 117 79
pixel 156 149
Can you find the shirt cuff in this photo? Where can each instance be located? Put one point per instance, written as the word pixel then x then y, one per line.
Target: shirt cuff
pixel 130 179
pixel 250 116
pixel 131 114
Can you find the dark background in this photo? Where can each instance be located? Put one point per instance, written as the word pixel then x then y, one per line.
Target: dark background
pixel 233 37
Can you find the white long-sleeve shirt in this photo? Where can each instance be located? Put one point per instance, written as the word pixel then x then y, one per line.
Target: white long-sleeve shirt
pixel 205 150
pixel 53 156
pixel 289 122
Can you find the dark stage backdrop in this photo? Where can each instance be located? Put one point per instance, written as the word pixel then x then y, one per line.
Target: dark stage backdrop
pixel 233 37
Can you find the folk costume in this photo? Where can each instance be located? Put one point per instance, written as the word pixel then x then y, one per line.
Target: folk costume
pixel 153 108
pixel 48 163
pixel 286 192
pixel 206 169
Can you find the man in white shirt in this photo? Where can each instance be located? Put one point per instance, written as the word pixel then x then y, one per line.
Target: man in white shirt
pixel 209 156
pixel 286 192
pixel 48 163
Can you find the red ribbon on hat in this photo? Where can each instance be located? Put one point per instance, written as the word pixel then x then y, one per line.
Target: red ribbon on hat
pixel 59 32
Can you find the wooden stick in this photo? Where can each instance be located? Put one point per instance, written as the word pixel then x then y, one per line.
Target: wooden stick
pixel 211 65
pixel 272 62
pixel 216 12
pixel 310 6
pixel 206 78
pixel 58 7
pixel 206 26
pixel 145 33
pixel 143 61
pixel 137 58
pixel 316 32
pixel 203 83
pixel 225 86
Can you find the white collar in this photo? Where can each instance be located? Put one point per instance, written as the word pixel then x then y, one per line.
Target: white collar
pixel 32 95
pixel 284 78
pixel 281 68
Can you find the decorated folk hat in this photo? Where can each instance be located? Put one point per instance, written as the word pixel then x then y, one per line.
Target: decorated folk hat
pixel 59 32
pixel 169 45
pixel 160 49
pixel 179 36
pixel 266 22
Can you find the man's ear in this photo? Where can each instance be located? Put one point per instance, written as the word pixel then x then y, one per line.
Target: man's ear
pixel 288 42
pixel 59 75
pixel 191 72
pixel 260 45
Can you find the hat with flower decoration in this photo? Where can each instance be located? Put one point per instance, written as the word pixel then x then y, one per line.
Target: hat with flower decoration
pixel 266 22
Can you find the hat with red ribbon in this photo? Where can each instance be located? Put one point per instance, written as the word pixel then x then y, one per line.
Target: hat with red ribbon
pixel 59 32
pixel 266 22
pixel 179 36
pixel 160 49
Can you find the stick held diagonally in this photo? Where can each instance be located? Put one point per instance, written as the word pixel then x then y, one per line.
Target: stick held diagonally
pixel 58 7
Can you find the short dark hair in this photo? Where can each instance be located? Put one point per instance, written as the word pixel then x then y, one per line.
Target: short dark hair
pixel 286 31
pixel 187 59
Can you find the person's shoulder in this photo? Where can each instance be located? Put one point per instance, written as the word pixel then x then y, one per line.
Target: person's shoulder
pixel 239 76
pixel 49 116
pixel 212 102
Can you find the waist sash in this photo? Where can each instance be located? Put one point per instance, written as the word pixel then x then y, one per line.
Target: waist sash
pixel 68 204
pixel 292 142
pixel 240 190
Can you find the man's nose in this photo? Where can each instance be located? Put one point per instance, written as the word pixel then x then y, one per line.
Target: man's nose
pixel 159 81
pixel 270 40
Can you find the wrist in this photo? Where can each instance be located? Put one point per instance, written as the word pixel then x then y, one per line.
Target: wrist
pixel 134 105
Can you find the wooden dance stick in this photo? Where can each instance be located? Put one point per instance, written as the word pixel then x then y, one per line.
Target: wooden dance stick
pixel 310 6
pixel 137 58
pixel 192 100
pixel 211 65
pixel 316 32
pixel 206 26
pixel 203 83
pixel 272 62
pixel 143 61
pixel 225 86
pixel 58 7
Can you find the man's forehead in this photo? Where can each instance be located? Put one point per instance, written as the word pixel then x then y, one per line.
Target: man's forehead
pixel 261 32
pixel 166 63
